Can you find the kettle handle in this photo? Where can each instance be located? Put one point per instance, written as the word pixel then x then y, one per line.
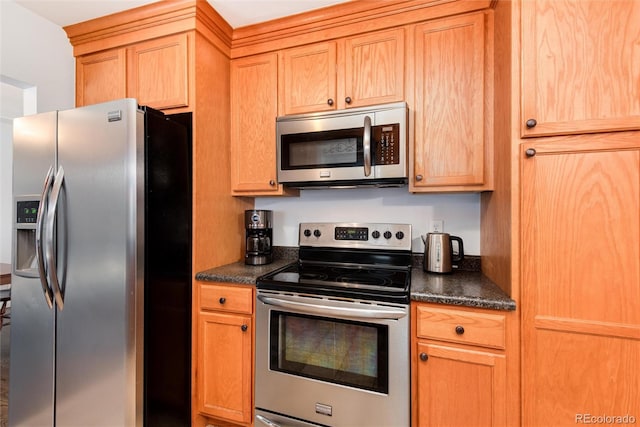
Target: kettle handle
pixel 460 256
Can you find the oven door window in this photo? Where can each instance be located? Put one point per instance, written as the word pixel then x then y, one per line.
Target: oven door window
pixel 327 149
pixel 334 350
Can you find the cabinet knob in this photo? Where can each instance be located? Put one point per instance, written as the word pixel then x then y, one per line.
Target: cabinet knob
pixel 347 100
pixel 423 357
pixel 330 101
pixel 244 328
pixel 530 152
pixel 418 177
pixel 222 300
pixel 272 183
pixel 531 123
pixel 459 330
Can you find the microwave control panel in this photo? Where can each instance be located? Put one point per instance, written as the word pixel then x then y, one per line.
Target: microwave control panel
pixel 387 142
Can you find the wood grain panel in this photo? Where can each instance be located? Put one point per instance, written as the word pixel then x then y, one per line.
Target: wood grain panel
pixel 581 66
pixel 473 382
pixel 450 95
pixel 101 77
pixel 226 298
pixel 307 79
pixel 479 328
pixel 225 358
pixel 374 68
pixel 583 231
pixel 254 108
pixel 158 75
pixel 569 375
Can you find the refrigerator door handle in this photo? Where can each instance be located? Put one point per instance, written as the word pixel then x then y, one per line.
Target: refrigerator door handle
pixel 42 270
pixel 51 217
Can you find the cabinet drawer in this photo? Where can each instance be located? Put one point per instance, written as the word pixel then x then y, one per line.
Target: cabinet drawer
pixel 461 326
pixel 226 298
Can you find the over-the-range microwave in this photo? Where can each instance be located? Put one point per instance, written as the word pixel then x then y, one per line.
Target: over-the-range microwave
pixel 348 148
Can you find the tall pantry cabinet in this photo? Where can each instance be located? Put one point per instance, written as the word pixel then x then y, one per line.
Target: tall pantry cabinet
pixel 174 56
pixel 580 210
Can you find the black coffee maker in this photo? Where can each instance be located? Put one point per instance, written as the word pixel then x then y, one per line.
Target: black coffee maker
pixel 259 235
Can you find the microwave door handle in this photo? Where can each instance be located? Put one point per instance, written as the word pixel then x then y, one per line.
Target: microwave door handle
pixel 366 143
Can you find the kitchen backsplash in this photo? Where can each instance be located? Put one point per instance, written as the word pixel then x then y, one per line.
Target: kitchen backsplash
pixel 460 212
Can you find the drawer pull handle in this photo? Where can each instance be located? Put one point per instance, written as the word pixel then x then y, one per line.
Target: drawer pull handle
pixel 459 330
pixel 424 357
pixel 244 328
pixel 222 300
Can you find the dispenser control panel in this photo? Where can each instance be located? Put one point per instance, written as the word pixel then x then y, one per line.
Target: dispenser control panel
pixel 27 211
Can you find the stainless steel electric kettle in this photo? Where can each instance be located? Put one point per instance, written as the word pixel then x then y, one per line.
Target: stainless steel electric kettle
pixel 438 252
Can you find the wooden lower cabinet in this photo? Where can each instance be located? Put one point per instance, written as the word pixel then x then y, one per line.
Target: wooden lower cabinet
pixel 459 367
pixel 224 355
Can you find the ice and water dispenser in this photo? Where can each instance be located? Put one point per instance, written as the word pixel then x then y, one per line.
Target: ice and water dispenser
pixel 26 263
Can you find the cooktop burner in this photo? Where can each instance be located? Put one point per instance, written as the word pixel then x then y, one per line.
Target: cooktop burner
pixel 354 282
pixel 349 260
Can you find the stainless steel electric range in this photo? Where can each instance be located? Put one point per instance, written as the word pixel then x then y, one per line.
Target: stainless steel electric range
pixel 332 330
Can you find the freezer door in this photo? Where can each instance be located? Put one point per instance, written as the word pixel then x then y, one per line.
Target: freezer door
pixel 100 266
pixel 32 321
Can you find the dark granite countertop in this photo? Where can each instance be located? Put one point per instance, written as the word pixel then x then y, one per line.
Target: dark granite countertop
pixel 239 272
pixel 463 288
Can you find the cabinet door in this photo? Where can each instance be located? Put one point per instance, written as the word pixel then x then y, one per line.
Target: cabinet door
pixel 308 79
pixel 101 77
pixel 581 277
pixel 158 75
pixel 450 142
pixel 225 366
pixel 580 69
pixel 459 387
pixel 253 126
pixel 374 69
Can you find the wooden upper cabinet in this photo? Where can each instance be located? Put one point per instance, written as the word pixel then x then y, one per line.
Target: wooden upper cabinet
pixel 159 72
pixel 254 109
pixel 155 72
pixel 101 77
pixel 580 70
pixel 308 78
pixel 374 68
pixel 453 125
pixel 349 72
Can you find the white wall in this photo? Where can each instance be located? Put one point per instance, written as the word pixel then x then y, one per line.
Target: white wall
pixel 36 59
pixel 460 212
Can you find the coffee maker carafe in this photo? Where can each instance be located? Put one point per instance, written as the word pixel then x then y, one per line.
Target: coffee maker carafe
pixel 258 237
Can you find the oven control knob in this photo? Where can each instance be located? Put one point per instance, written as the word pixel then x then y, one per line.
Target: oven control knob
pixel 317 233
pixel 387 235
pixel 399 235
pixel 307 232
pixel 375 234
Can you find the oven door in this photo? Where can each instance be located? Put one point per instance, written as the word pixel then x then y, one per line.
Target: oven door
pixel 331 362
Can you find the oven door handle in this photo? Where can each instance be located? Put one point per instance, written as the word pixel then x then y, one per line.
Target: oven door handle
pixel 356 313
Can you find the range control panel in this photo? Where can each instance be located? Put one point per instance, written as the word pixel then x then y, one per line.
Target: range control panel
pixel 356 235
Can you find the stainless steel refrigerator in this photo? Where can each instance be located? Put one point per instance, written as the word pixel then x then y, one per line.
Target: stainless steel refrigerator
pixel 101 279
